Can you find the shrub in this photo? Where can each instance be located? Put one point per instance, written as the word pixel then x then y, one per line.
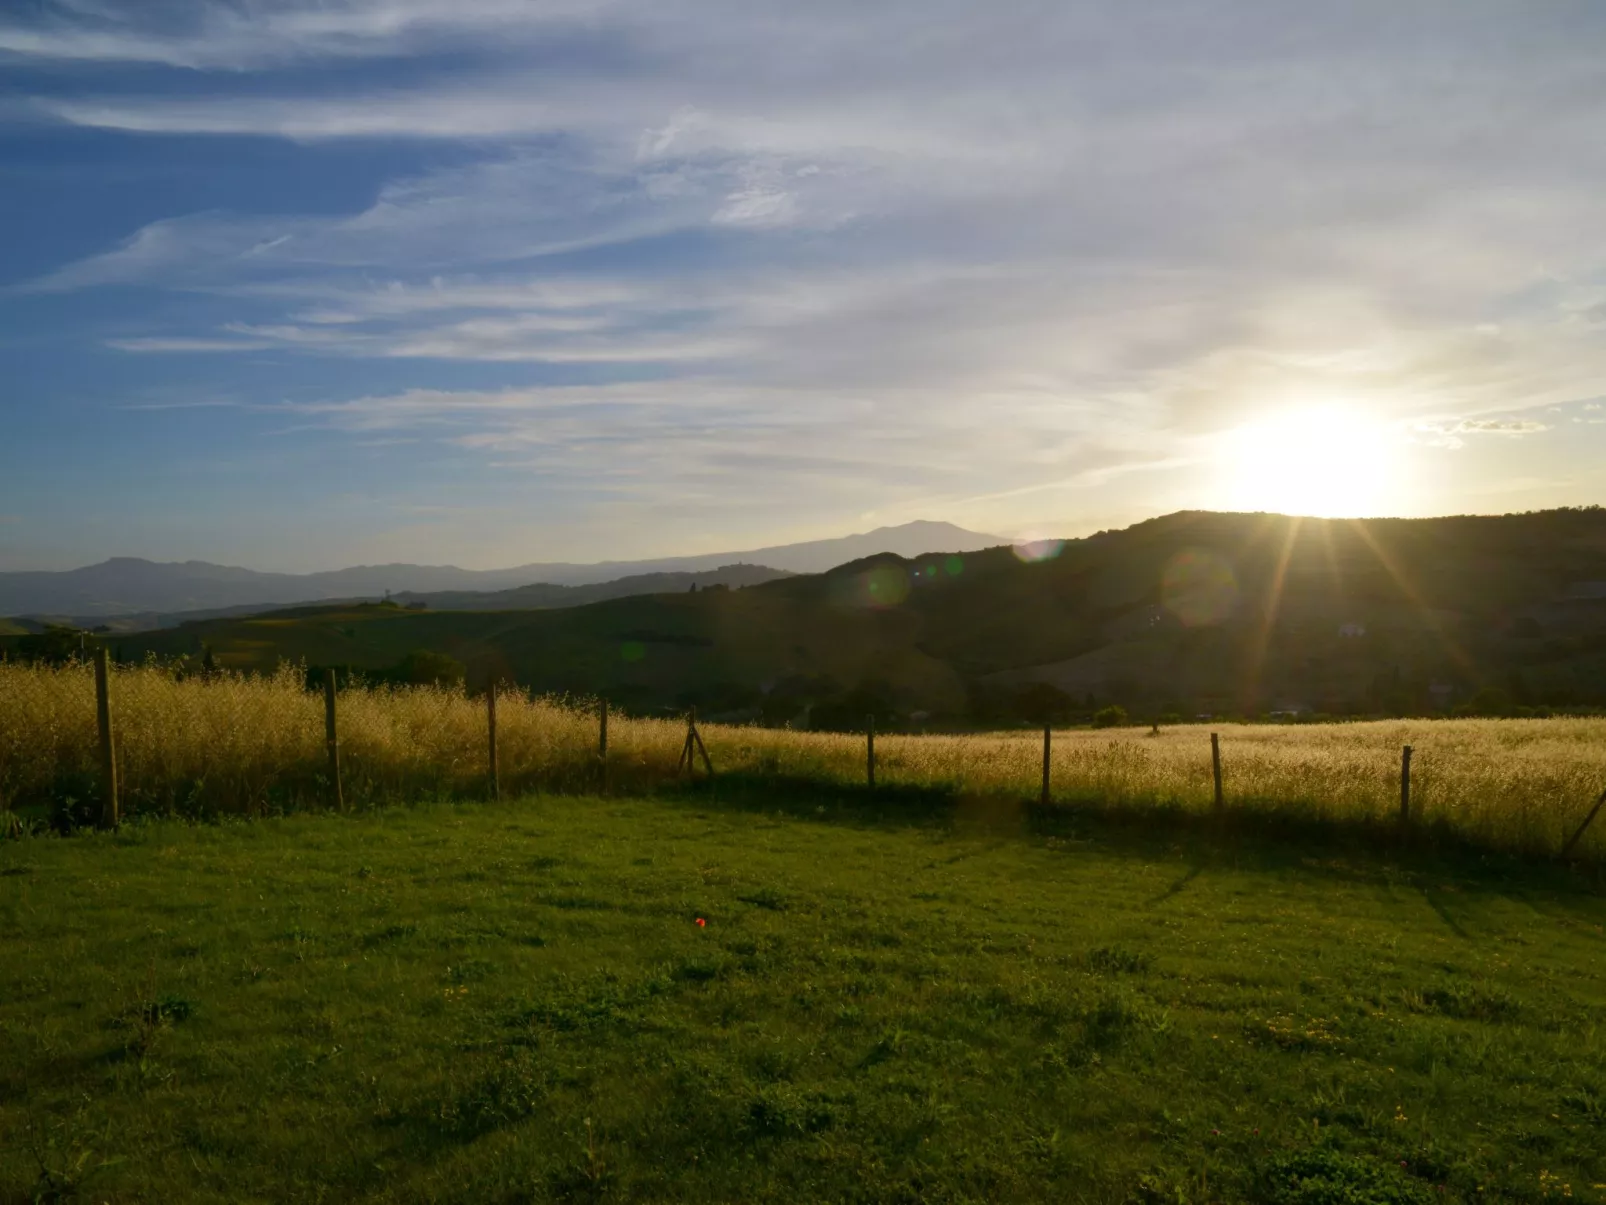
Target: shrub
pixel 1113 716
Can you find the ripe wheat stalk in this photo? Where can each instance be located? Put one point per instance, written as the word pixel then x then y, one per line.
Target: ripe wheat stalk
pixel 252 744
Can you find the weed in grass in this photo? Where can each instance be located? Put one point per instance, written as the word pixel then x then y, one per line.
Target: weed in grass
pixel 1321 1176
pixel 1470 1003
pixel 1118 960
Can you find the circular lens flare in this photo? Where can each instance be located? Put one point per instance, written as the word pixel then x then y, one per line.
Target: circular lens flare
pixel 1199 587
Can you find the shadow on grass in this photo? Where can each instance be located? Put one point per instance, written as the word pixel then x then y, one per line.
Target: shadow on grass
pixel 1259 836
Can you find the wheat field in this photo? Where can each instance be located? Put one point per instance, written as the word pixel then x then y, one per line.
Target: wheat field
pixel 251 745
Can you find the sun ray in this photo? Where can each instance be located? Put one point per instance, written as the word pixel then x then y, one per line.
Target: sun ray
pixel 1254 662
pixel 1415 597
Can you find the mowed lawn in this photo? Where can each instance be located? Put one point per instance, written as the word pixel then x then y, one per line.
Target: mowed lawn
pixel 516 1002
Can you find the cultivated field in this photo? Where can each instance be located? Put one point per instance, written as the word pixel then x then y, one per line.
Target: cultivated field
pixel 254 745
pixel 516 1002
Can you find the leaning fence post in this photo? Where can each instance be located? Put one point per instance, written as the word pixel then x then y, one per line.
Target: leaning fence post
pixel 1215 766
pixel 1589 819
pixel 490 728
pixel 602 743
pixel 869 751
pixel 697 736
pixel 1047 730
pixel 1405 785
pixel 109 811
pixel 693 747
pixel 331 734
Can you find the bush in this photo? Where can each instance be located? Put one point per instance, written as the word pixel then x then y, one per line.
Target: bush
pixel 1113 716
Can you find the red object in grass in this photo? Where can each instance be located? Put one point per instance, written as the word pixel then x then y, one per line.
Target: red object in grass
pixel 701 923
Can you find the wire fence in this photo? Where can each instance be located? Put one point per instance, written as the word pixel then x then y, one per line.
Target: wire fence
pixel 81 747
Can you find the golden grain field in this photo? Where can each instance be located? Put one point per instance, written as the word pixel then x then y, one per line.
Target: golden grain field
pixel 251 745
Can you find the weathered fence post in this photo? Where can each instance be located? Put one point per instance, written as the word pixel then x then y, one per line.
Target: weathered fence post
pixel 708 763
pixel 1588 820
pixel 693 746
pixel 869 751
pixel 1047 730
pixel 602 743
pixel 331 734
pixel 1215 767
pixel 109 811
pixel 1405 785
pixel 490 729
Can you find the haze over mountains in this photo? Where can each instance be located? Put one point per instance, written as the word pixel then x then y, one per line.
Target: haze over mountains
pixel 130 585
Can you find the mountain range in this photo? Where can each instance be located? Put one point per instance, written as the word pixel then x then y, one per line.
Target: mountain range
pixel 124 586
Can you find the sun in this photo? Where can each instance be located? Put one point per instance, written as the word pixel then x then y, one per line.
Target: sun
pixel 1324 461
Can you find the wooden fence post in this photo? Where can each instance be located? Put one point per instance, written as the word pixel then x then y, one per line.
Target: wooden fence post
pixel 1215 767
pixel 1047 738
pixel 1573 840
pixel 693 746
pixel 1405 785
pixel 490 728
pixel 869 751
pixel 602 743
pixel 110 814
pixel 697 736
pixel 331 735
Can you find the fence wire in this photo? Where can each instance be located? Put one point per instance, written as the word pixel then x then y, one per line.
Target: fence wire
pixel 228 743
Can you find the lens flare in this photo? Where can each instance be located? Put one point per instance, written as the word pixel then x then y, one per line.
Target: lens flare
pixel 1199 587
pixel 879 587
pixel 1032 551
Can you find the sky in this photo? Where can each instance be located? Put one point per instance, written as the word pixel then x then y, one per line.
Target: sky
pixel 298 284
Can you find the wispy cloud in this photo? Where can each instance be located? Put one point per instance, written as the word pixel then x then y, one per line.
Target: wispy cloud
pixel 1495 426
pixel 1448 433
pixel 168 346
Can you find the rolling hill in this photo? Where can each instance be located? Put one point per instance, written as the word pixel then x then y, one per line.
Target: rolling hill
pixel 521 598
pixel 131 586
pixel 1191 612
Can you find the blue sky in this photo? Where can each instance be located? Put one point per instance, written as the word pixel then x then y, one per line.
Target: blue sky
pixel 296 285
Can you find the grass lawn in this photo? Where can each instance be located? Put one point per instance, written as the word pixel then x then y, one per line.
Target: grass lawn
pixel 516 1003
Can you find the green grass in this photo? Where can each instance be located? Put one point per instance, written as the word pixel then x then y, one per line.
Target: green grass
pixel 514 1003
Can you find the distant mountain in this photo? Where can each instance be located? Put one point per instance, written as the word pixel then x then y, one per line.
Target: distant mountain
pixel 539 597
pixel 130 586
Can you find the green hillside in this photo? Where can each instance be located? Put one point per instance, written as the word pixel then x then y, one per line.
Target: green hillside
pixel 1190 612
